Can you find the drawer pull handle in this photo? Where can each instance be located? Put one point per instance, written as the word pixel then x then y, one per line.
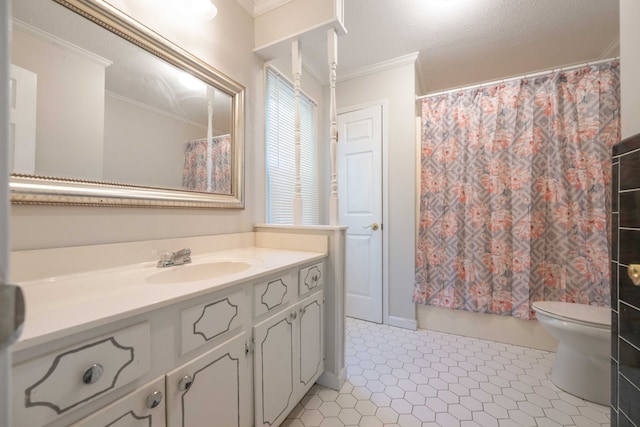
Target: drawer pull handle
pixel 154 399
pixel 92 374
pixel 185 383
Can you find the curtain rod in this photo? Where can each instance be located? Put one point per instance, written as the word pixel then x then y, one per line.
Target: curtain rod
pixel 524 76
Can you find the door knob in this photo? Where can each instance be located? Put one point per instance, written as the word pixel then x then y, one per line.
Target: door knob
pixel 374 226
pixel 634 273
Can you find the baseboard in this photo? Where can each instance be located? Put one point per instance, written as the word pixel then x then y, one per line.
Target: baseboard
pixel 402 322
pixel 333 381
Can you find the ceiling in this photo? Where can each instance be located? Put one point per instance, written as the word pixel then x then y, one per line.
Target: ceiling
pixel 462 42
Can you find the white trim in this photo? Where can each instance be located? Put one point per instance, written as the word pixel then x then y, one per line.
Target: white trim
pixel 5 216
pixel 260 7
pixel 152 109
pixel 329 379
pixel 249 6
pixel 64 44
pixel 379 67
pixel 384 103
pixel 274 49
pixel 308 66
pixel 401 322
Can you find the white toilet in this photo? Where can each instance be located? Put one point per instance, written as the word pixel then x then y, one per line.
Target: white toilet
pixel 582 366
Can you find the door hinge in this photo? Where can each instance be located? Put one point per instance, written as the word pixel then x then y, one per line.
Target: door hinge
pixel 11 314
pixel 249 347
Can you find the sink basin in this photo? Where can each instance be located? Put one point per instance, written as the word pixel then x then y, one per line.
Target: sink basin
pixel 197 272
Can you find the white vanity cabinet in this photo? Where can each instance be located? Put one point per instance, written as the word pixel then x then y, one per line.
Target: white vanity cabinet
pixel 55 384
pixel 144 407
pixel 238 356
pixel 212 389
pixel 288 358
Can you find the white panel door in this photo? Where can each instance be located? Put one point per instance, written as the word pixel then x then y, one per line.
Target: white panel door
pixel 22 127
pixel 360 192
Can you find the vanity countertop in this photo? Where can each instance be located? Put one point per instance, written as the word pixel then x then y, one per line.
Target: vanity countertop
pixel 64 305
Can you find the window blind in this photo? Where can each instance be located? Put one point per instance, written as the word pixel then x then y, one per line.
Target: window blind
pixel 281 161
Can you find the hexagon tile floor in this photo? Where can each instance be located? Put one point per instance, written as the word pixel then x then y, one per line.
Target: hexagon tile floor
pixel 398 377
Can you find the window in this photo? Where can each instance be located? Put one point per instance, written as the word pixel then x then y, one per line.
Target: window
pixel 281 161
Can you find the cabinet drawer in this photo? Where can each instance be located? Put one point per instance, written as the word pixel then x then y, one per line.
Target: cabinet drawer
pixel 273 294
pixel 206 321
pixel 52 385
pixel 311 278
pixel 145 407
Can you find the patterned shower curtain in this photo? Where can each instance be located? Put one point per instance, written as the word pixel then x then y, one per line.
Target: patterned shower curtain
pixel 515 193
pixel 207 166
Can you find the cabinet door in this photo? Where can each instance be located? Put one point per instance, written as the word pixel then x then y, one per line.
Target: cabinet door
pixel 273 367
pixel 310 331
pixel 213 389
pixel 144 407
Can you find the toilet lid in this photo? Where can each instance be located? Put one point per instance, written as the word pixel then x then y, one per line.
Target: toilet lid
pixel 598 316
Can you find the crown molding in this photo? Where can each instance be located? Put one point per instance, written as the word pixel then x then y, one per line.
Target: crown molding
pixel 379 67
pixel 311 69
pixel 263 6
pixel 61 43
pixel 248 5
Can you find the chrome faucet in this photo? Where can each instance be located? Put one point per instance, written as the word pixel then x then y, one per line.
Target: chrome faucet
pixel 169 259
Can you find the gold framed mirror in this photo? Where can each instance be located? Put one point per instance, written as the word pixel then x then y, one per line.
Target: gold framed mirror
pixel 106 112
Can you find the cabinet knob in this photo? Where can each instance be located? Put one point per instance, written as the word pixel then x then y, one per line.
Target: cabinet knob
pixel 303 310
pixel 154 399
pixel 294 315
pixel 185 383
pixel 634 273
pixel 92 374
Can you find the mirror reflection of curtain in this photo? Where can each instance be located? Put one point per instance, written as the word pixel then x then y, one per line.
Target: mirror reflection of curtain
pixel 207 165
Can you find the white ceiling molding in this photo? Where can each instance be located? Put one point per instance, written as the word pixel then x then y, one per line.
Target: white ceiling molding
pixel 611 51
pixel 61 43
pixel 263 6
pixel 379 67
pixel 308 66
pixel 248 5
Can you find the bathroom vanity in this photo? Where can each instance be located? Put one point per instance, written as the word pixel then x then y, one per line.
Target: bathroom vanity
pixel 235 338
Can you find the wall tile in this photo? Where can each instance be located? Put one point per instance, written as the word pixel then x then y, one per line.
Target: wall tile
pixel 627 291
pixel 614 285
pixel 630 209
pixel 628 399
pixel 629 252
pixel 624 421
pixel 614 335
pixel 630 325
pixel 614 236
pixel 627 145
pixel 615 170
pixel 614 384
pixel 629 366
pixel 630 171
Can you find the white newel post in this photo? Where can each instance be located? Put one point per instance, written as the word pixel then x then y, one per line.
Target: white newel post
pixel 296 68
pixel 332 43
